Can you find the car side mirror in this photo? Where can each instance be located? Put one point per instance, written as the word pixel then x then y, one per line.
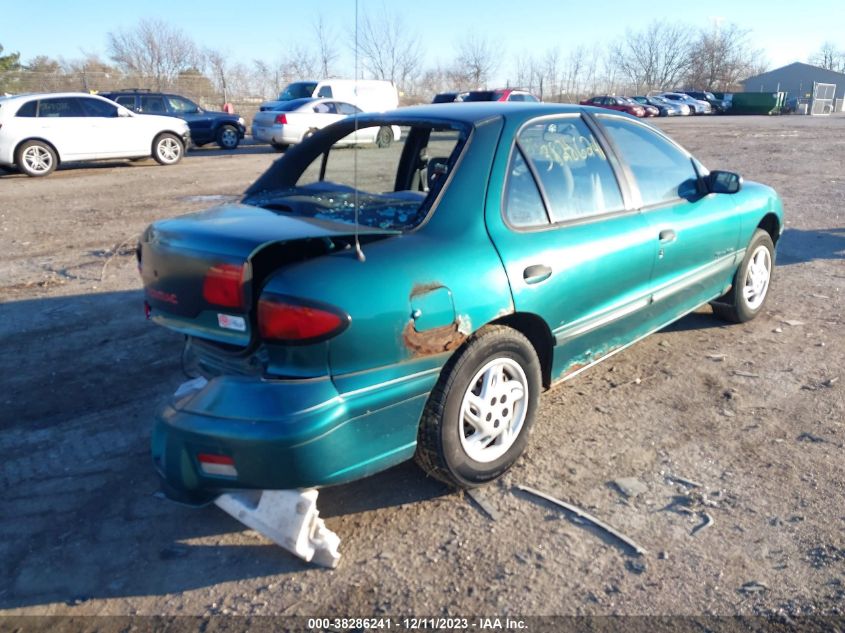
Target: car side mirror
pixel 123 112
pixel 724 182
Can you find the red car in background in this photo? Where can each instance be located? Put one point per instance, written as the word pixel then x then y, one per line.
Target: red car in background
pixel 650 110
pixel 616 103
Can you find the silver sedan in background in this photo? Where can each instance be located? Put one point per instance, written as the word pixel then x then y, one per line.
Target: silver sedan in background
pixel 284 123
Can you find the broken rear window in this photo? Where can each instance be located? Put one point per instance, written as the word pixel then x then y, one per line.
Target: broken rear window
pixel 392 187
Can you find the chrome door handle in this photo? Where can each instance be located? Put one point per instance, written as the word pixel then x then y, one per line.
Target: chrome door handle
pixel 536 273
pixel 666 236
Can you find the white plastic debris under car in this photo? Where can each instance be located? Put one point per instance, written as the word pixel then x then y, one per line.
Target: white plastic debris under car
pixel 287 517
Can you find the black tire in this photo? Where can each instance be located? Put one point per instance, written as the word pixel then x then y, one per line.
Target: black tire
pixel 440 449
pixel 227 137
pixel 735 305
pixel 36 158
pixel 279 147
pixel 168 149
pixel 384 137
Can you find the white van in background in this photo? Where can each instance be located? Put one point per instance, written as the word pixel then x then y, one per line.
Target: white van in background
pixel 371 95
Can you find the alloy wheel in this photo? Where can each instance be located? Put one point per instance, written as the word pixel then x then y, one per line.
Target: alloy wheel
pixel 493 410
pixel 757 277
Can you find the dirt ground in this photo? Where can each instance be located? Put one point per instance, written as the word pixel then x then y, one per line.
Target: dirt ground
pixel 753 413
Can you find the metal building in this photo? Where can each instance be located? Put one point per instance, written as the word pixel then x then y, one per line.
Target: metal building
pixel 798 80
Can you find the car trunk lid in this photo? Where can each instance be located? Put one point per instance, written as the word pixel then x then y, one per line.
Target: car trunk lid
pixel 202 272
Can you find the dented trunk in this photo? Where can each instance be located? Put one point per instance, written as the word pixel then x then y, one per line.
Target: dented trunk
pixel 203 272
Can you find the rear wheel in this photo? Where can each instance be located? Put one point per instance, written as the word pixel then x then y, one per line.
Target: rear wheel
pixel 227 137
pixel 167 149
pixel 478 417
pixel 746 298
pixel 36 158
pixel 384 137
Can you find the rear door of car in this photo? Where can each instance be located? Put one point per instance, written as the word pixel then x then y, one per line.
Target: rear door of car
pixel 696 233
pixel 62 121
pixel 575 252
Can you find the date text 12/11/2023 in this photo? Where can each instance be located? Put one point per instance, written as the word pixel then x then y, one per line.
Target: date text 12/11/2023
pixel 416 624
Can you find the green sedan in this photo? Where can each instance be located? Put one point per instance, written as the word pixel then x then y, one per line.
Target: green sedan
pixel 358 308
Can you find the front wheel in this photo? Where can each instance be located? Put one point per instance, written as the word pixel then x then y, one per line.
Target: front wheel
pixel 750 289
pixel 384 137
pixel 35 158
pixel 167 149
pixel 227 137
pixel 478 417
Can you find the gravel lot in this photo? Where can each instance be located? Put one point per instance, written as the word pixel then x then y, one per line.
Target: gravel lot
pixel 754 413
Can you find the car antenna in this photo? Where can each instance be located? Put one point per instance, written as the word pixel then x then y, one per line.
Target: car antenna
pixel 358 251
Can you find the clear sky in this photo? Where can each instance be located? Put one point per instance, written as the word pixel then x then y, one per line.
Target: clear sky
pixel 786 30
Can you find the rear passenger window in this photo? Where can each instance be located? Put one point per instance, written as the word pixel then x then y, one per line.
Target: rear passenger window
pixel 325 92
pixel 60 107
pixel 28 109
pixel 663 172
pixel 573 169
pixel 346 108
pixel 523 203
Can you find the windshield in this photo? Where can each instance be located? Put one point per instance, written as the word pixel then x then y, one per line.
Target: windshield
pixel 393 185
pixel 298 90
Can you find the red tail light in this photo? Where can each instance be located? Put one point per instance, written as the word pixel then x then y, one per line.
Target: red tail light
pixel 281 119
pixel 219 465
pixel 289 320
pixel 223 286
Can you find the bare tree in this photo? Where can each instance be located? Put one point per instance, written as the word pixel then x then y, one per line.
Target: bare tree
pixel 154 49
pixel 326 49
pixel 656 57
pixel 552 75
pixel 721 57
pixel 477 56
pixel 433 81
pixel 575 63
pixel 269 78
pixel 221 71
pixel 387 48
pixel 829 56
pixel 301 63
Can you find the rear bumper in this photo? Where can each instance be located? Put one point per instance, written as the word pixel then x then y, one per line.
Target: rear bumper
pixel 284 434
pixel 278 134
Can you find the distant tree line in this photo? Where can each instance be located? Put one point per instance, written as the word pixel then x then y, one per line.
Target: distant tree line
pixel 829 56
pixel 156 55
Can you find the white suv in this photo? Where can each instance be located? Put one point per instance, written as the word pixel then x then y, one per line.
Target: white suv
pixel 39 131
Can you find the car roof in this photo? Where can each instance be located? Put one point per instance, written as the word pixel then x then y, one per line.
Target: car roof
pixel 475 112
pixel 47 95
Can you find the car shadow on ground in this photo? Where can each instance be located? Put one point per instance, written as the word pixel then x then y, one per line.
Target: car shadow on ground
pixel 82 514
pixel 798 246
pixel 246 146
